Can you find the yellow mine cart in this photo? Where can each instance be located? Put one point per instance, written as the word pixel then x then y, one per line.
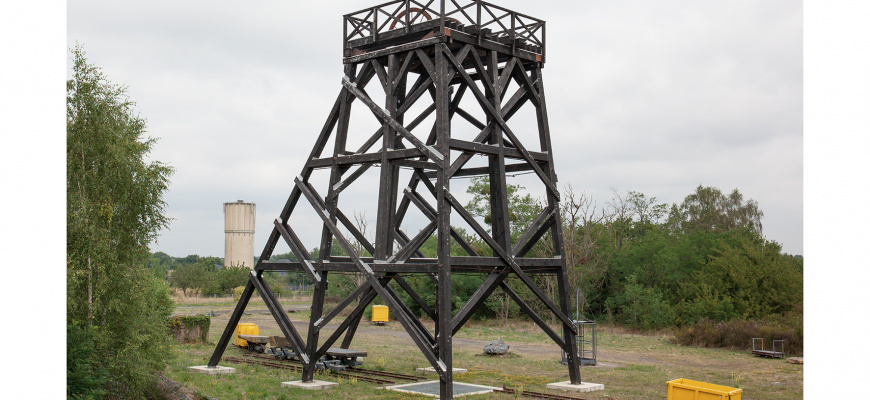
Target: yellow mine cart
pixel 380 314
pixel 686 389
pixel 245 328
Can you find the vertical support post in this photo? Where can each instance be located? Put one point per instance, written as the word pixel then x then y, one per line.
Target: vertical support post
pixel 500 216
pixel 568 334
pixel 388 191
pixel 479 28
pixel 556 230
pixel 441 18
pixel 513 34
pixel 444 309
pixel 407 16
pixel 544 42
pixel 313 331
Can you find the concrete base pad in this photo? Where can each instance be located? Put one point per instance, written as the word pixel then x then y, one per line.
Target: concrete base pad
pixel 313 385
pixel 205 369
pixel 582 387
pixel 431 370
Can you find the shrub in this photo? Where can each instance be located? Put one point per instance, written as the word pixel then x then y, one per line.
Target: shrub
pixel 85 375
pixel 190 329
pixel 641 307
pixel 737 334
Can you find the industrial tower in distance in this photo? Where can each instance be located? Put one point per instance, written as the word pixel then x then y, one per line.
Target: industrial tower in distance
pixel 239 233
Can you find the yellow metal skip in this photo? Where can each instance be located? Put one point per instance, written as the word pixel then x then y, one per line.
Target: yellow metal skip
pixel 380 314
pixel 245 328
pixel 687 389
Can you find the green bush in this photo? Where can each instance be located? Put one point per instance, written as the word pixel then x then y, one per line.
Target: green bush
pixel 641 307
pixel 85 374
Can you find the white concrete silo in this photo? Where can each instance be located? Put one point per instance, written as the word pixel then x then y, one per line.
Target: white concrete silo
pixel 239 231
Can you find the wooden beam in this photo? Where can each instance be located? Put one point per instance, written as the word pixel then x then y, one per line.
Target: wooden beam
pixel 429 152
pixel 235 317
pixel 394 303
pixel 298 249
pixel 501 252
pixel 280 316
pixel 498 119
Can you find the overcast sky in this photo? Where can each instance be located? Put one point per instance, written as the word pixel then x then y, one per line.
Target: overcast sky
pixel 656 97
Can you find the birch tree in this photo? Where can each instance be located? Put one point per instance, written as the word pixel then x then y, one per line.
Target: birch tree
pixel 115 209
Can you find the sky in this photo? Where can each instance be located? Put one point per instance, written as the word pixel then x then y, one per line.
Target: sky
pixel 653 97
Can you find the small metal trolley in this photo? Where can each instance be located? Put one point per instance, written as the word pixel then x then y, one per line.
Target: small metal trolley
pixel 587 343
pixel 758 348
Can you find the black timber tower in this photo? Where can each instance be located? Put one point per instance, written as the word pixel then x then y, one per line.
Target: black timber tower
pixel 427 56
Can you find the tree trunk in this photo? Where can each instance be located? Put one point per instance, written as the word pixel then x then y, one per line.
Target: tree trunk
pixel 90 290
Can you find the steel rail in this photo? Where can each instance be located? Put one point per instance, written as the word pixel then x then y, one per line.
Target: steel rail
pixel 257 360
pixel 537 395
pixel 291 364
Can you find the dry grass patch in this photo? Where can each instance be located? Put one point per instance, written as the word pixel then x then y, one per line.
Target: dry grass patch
pixel 631 366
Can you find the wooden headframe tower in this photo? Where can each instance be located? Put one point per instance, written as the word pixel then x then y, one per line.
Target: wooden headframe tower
pixel 431 53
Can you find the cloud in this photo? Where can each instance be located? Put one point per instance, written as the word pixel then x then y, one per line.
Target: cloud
pixel 655 97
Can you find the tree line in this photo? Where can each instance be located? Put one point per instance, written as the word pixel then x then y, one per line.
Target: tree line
pixel 637 262
pixel 208 276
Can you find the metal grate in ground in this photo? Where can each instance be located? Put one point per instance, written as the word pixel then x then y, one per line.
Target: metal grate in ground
pixel 433 388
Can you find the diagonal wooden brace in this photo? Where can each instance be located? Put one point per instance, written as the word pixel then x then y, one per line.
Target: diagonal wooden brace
pixel 412 246
pixel 280 316
pixel 429 212
pixel 381 113
pixel 533 233
pixel 488 108
pixel 476 300
pixel 298 249
pixel 235 317
pixel 396 304
pixel 508 260
pixel 531 313
pixel 422 303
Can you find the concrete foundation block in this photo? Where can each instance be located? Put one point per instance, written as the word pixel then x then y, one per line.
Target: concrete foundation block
pixel 582 387
pixel 313 385
pixel 431 370
pixel 205 369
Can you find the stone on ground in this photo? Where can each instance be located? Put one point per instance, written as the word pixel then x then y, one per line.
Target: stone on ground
pixel 497 346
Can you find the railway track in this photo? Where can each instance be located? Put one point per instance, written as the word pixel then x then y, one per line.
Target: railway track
pixel 537 395
pixel 284 365
pixel 361 374
pixel 371 376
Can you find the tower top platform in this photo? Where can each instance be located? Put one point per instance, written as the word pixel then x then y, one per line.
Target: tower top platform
pixel 409 23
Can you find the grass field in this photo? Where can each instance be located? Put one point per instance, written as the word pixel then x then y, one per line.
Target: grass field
pixel 631 366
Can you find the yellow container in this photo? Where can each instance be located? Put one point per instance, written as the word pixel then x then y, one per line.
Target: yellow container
pixel 380 314
pixel 686 389
pixel 245 328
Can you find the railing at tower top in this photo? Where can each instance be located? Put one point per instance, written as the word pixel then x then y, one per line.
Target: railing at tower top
pixel 496 23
